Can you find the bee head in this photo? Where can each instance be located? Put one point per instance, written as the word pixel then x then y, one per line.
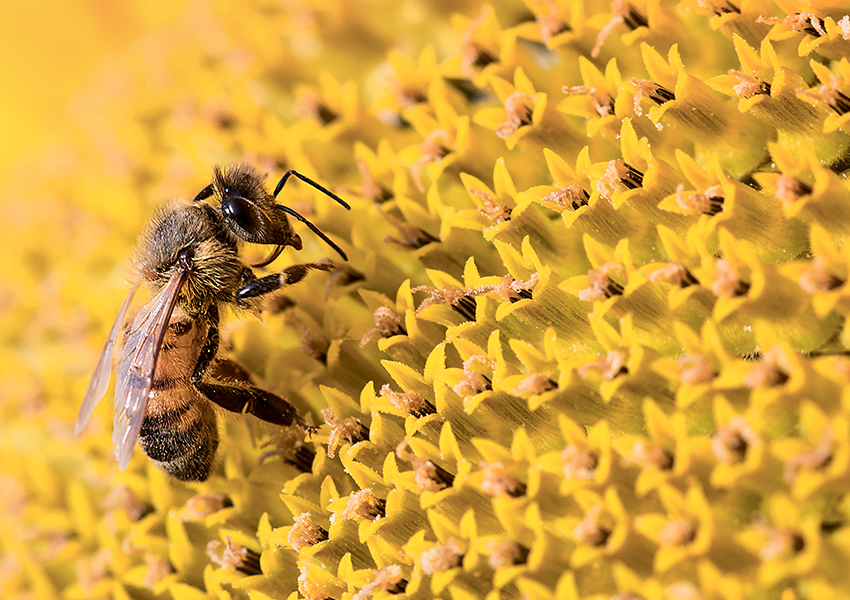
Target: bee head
pixel 183 238
pixel 248 212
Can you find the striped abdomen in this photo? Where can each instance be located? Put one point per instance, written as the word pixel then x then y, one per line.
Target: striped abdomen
pixel 179 431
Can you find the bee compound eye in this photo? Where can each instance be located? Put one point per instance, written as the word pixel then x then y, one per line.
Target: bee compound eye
pixel 240 212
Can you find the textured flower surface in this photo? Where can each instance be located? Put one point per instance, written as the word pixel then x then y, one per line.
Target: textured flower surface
pixel 590 342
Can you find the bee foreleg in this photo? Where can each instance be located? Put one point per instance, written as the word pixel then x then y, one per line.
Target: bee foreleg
pixel 288 276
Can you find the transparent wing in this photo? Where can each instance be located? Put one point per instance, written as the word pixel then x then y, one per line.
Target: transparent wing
pixel 137 365
pixel 100 378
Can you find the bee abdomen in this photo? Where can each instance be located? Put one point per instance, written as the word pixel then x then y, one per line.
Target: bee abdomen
pixel 182 441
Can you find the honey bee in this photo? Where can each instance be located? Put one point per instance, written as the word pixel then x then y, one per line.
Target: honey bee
pixel 188 256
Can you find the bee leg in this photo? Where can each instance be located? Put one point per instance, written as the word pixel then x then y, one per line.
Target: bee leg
pixel 288 276
pixel 254 401
pixel 241 398
pixel 227 369
pixel 246 276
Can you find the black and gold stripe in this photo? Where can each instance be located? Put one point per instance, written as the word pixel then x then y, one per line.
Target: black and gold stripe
pixel 183 440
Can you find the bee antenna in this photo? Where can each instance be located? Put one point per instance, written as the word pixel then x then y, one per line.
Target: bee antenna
pixel 313 228
pixel 309 182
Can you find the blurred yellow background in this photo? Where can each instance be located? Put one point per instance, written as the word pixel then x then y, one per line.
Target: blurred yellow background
pixel 49 51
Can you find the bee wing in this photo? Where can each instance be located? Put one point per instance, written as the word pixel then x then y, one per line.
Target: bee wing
pixel 100 378
pixel 137 365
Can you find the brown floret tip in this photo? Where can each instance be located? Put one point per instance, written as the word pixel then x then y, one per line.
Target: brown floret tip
pixel 771 371
pixel 90 572
pixel 645 88
pixel 578 464
pixel 609 366
pixel 647 455
pixel 305 532
pixel 289 446
pixel 431 151
pixel 710 202
pixel 781 542
pixel 805 22
pixel 504 553
pixel 749 85
pixel 234 557
pixel 495 211
pixel 442 556
pixel 789 189
pixel 314 344
pixel 158 569
pixel 473 382
pixel 675 273
pixel 474 57
pixel 814 460
pixel 123 498
pixel 536 383
pixel 726 282
pixel 551 23
pixel 623 13
pixel 309 104
pixel 428 476
pixel 200 506
pixel 519 107
pixel 719 7
pixel 388 579
pixel 450 296
pixel 602 102
pixel 677 532
pixel 601 285
pixel 570 197
pixel 409 402
pixel 618 176
pixel 589 530
pixel 341 274
pixel 363 505
pixel 731 441
pixel 695 369
pixel 387 324
pixel 818 278
pixel 508 288
pixel 497 481
pixel 349 429
pixel 369 186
